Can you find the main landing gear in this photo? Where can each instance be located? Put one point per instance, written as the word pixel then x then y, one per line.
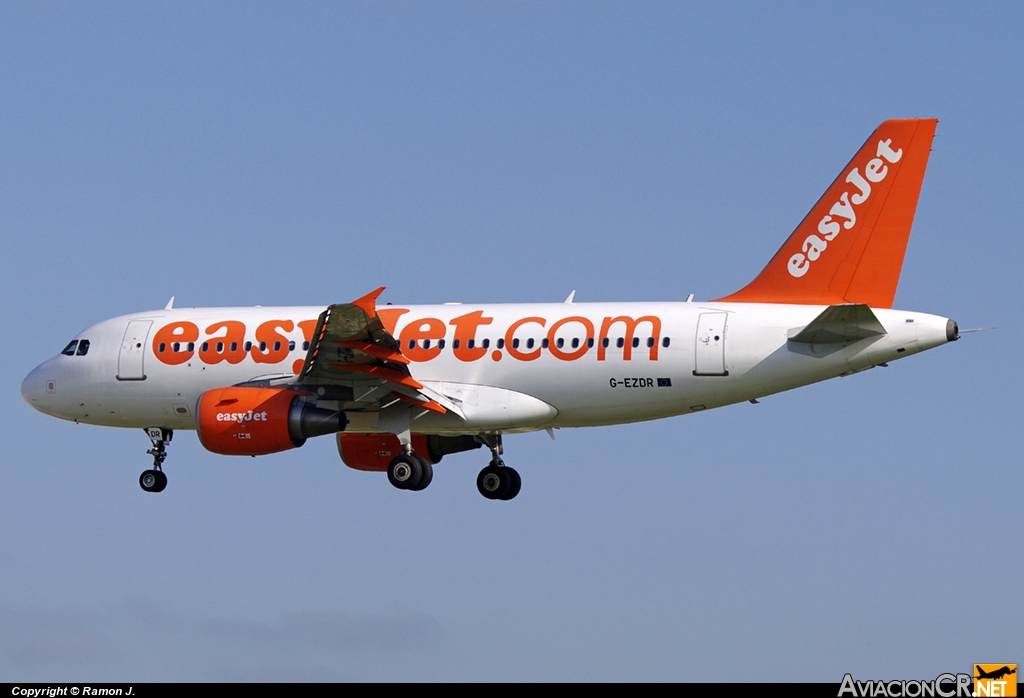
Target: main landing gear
pixel 497 480
pixel 409 471
pixel 154 480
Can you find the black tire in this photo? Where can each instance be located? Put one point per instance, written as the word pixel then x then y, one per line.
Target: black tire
pixel 515 483
pixel 405 471
pixel 149 480
pixel 427 474
pixel 493 482
pixel 161 481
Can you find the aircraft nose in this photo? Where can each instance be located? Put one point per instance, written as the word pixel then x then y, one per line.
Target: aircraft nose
pixel 33 388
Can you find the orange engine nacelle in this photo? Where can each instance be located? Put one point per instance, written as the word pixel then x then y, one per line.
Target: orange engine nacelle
pixel 239 421
pixel 375 451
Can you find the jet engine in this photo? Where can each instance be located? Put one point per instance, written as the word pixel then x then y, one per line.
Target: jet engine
pixel 241 421
pixel 375 451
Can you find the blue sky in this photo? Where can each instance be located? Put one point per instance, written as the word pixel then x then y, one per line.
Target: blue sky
pixel 242 154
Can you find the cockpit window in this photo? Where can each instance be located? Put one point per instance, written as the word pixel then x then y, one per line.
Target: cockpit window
pixel 69 350
pixel 83 347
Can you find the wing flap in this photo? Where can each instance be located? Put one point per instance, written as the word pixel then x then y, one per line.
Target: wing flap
pixel 351 347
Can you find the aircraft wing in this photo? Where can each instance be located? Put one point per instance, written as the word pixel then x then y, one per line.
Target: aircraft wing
pixel 351 348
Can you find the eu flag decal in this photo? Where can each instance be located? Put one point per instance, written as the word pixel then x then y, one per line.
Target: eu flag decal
pixel 664 382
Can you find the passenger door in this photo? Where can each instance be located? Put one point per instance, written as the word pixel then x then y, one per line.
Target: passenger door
pixel 133 350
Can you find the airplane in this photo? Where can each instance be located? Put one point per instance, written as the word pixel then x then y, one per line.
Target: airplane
pixel 401 386
pixel 995 674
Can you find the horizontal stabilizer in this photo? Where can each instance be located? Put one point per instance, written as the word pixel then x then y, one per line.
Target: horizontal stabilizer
pixel 839 324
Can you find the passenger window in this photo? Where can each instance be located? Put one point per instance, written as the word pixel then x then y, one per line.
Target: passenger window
pixel 291 345
pixel 263 346
pixel 234 346
pixel 220 347
pixel 469 343
pixel 412 343
pixel 620 342
pixel 575 342
pixel 191 346
pixel 529 343
pixel 455 344
pixel 544 342
pixel 69 350
pixel 636 342
pixel 426 343
pixel 604 342
pixel 515 343
pixel 590 342
pixel 205 347
pixel 277 346
pixel 440 343
pixel 160 349
pixel 486 344
pixel 248 346
pixel 305 346
pixel 559 342
pixel 650 342
pixel 176 347
pixel 665 342
pixel 501 343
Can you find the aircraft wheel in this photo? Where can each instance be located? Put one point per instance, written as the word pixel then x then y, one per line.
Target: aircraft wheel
pixel 149 480
pixel 515 483
pixel 161 481
pixel 405 471
pixel 493 482
pixel 427 474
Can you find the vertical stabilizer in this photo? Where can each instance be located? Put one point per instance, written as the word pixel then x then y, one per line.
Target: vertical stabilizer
pixel 850 247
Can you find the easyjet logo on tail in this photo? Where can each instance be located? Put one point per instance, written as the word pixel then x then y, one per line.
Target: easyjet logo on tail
pixel 844 210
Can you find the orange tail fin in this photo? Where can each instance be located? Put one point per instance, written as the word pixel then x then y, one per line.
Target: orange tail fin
pixel 850 247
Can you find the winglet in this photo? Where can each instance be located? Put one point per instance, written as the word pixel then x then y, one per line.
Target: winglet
pixel 368 303
pixel 170 304
pixel 850 247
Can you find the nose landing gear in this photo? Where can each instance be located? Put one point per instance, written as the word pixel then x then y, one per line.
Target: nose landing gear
pixel 154 480
pixel 497 480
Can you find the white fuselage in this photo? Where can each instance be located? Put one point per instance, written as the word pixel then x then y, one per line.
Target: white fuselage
pixel 517 367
